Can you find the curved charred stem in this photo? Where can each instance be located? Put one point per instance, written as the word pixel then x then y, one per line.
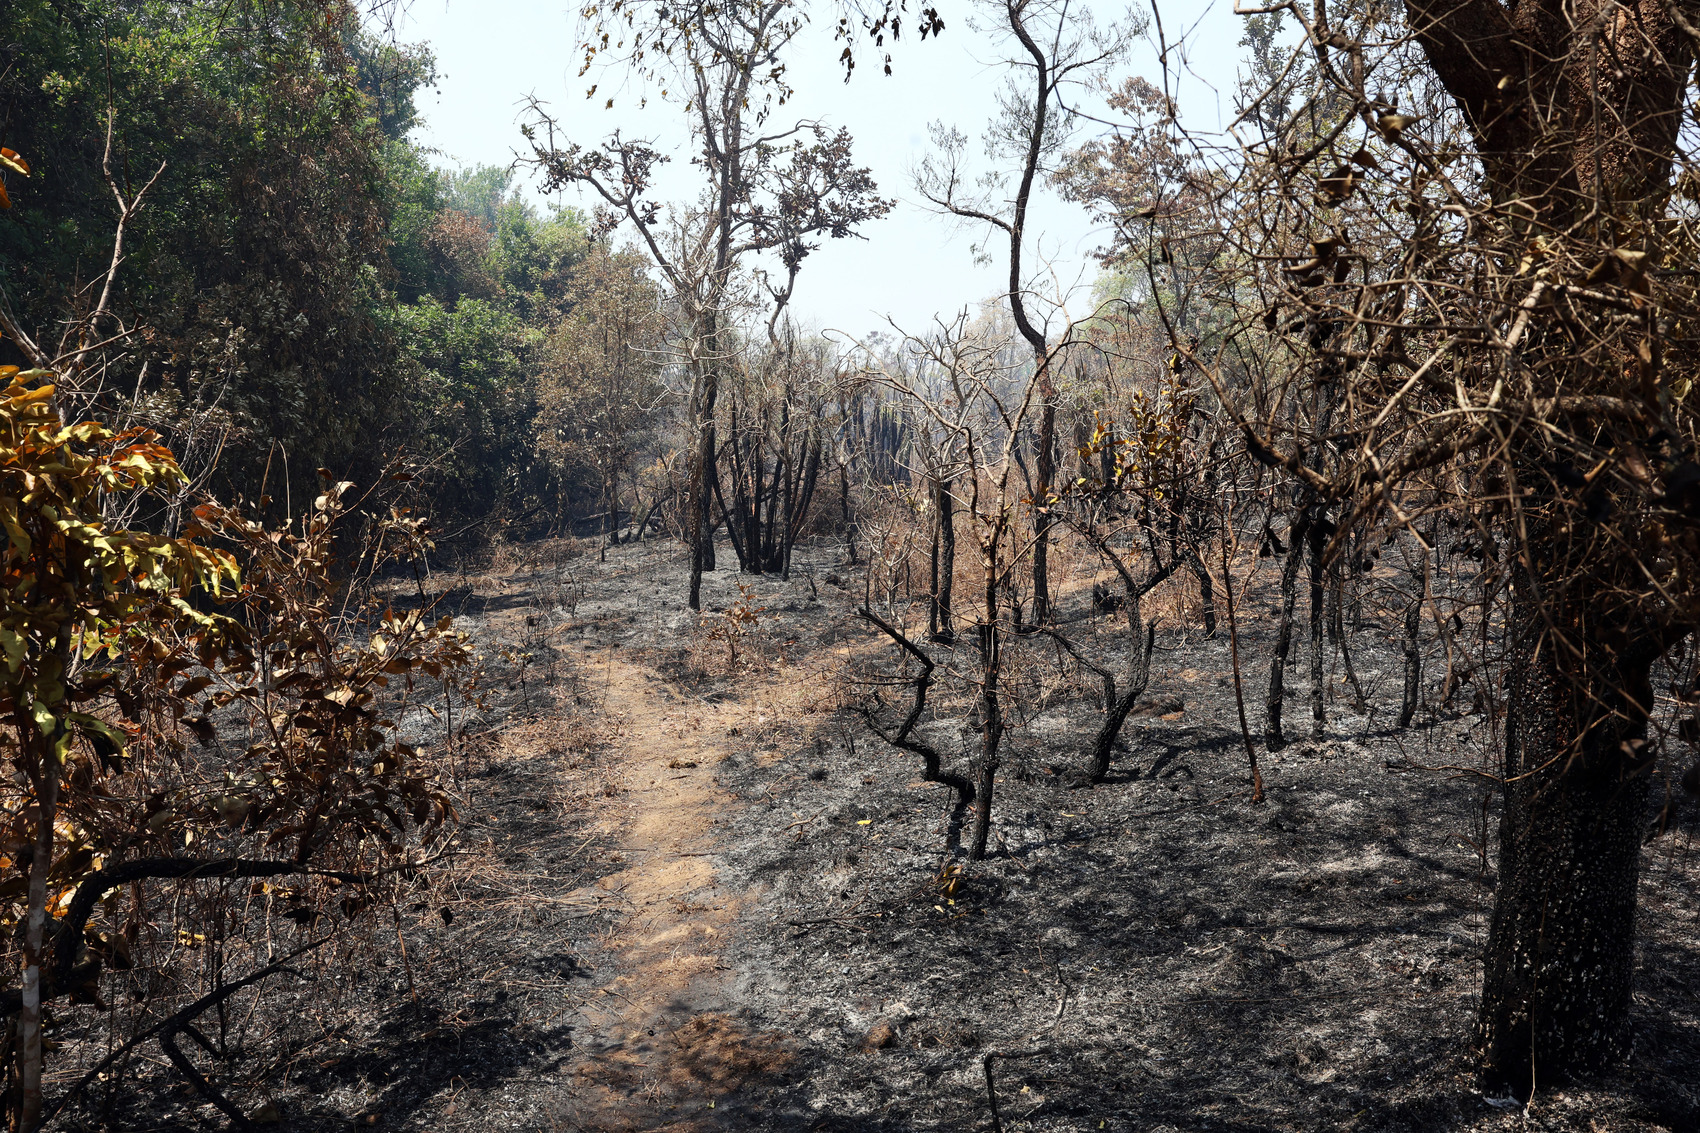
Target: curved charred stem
pixel 67 973
pixel 187 1015
pixel 1116 709
pixel 903 738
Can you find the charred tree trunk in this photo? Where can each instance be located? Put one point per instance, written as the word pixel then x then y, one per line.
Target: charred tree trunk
pixel 1412 646
pixel 945 510
pixel 1272 737
pixel 803 494
pixel 1206 591
pixel 1042 519
pixel 1119 699
pixel 770 506
pixel 1136 675
pixel 696 498
pixel 848 517
pixel 1561 951
pixel 1342 642
pixel 904 737
pixel 991 715
pixel 1318 597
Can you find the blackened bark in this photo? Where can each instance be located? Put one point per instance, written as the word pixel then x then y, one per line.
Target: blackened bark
pixel 904 738
pixel 1561 951
pixel 704 482
pixel 933 583
pixel 991 716
pixel 1318 685
pixel 1206 591
pixel 946 509
pixel 1120 697
pixel 1342 641
pixel 1412 646
pixel 848 517
pixel 1042 519
pixel 1272 737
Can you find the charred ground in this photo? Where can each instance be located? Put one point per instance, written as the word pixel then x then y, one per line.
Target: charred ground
pixel 694 892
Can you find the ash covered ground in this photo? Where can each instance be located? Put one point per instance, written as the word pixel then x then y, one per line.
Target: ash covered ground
pixel 1151 954
pixel 1157 954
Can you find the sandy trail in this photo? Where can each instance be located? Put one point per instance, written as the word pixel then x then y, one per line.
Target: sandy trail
pixel 663 1050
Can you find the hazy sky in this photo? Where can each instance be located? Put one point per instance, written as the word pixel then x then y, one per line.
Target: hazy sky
pixel 913 264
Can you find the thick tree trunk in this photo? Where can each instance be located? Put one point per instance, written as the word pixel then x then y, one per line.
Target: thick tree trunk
pixel 1575 111
pixel 1561 950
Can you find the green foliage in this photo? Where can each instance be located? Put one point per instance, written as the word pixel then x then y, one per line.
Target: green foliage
pixel 482 281
pixel 601 375
pixel 256 264
pixel 76 596
pixel 475 404
pixel 480 192
pixel 303 289
pixel 391 75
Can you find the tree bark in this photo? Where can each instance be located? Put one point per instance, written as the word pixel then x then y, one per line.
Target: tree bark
pixel 946 510
pixel 1206 591
pixel 35 929
pixel 1561 951
pixel 1272 737
pixel 1318 598
pixel 991 715
pixel 702 469
pixel 1337 630
pixel 1122 697
pixel 1412 648
pixel 1042 519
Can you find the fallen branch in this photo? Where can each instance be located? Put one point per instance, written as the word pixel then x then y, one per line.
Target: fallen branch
pixel 65 973
pixel 179 1020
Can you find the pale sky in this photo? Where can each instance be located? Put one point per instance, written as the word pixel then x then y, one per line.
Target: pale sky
pixel 913 264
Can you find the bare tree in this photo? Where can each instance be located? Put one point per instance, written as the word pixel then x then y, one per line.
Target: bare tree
pixel 1057 47
pixel 975 410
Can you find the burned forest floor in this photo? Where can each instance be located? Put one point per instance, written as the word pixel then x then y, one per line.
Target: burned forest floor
pixel 696 893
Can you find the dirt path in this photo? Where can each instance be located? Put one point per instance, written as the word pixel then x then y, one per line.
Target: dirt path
pixel 666 1050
